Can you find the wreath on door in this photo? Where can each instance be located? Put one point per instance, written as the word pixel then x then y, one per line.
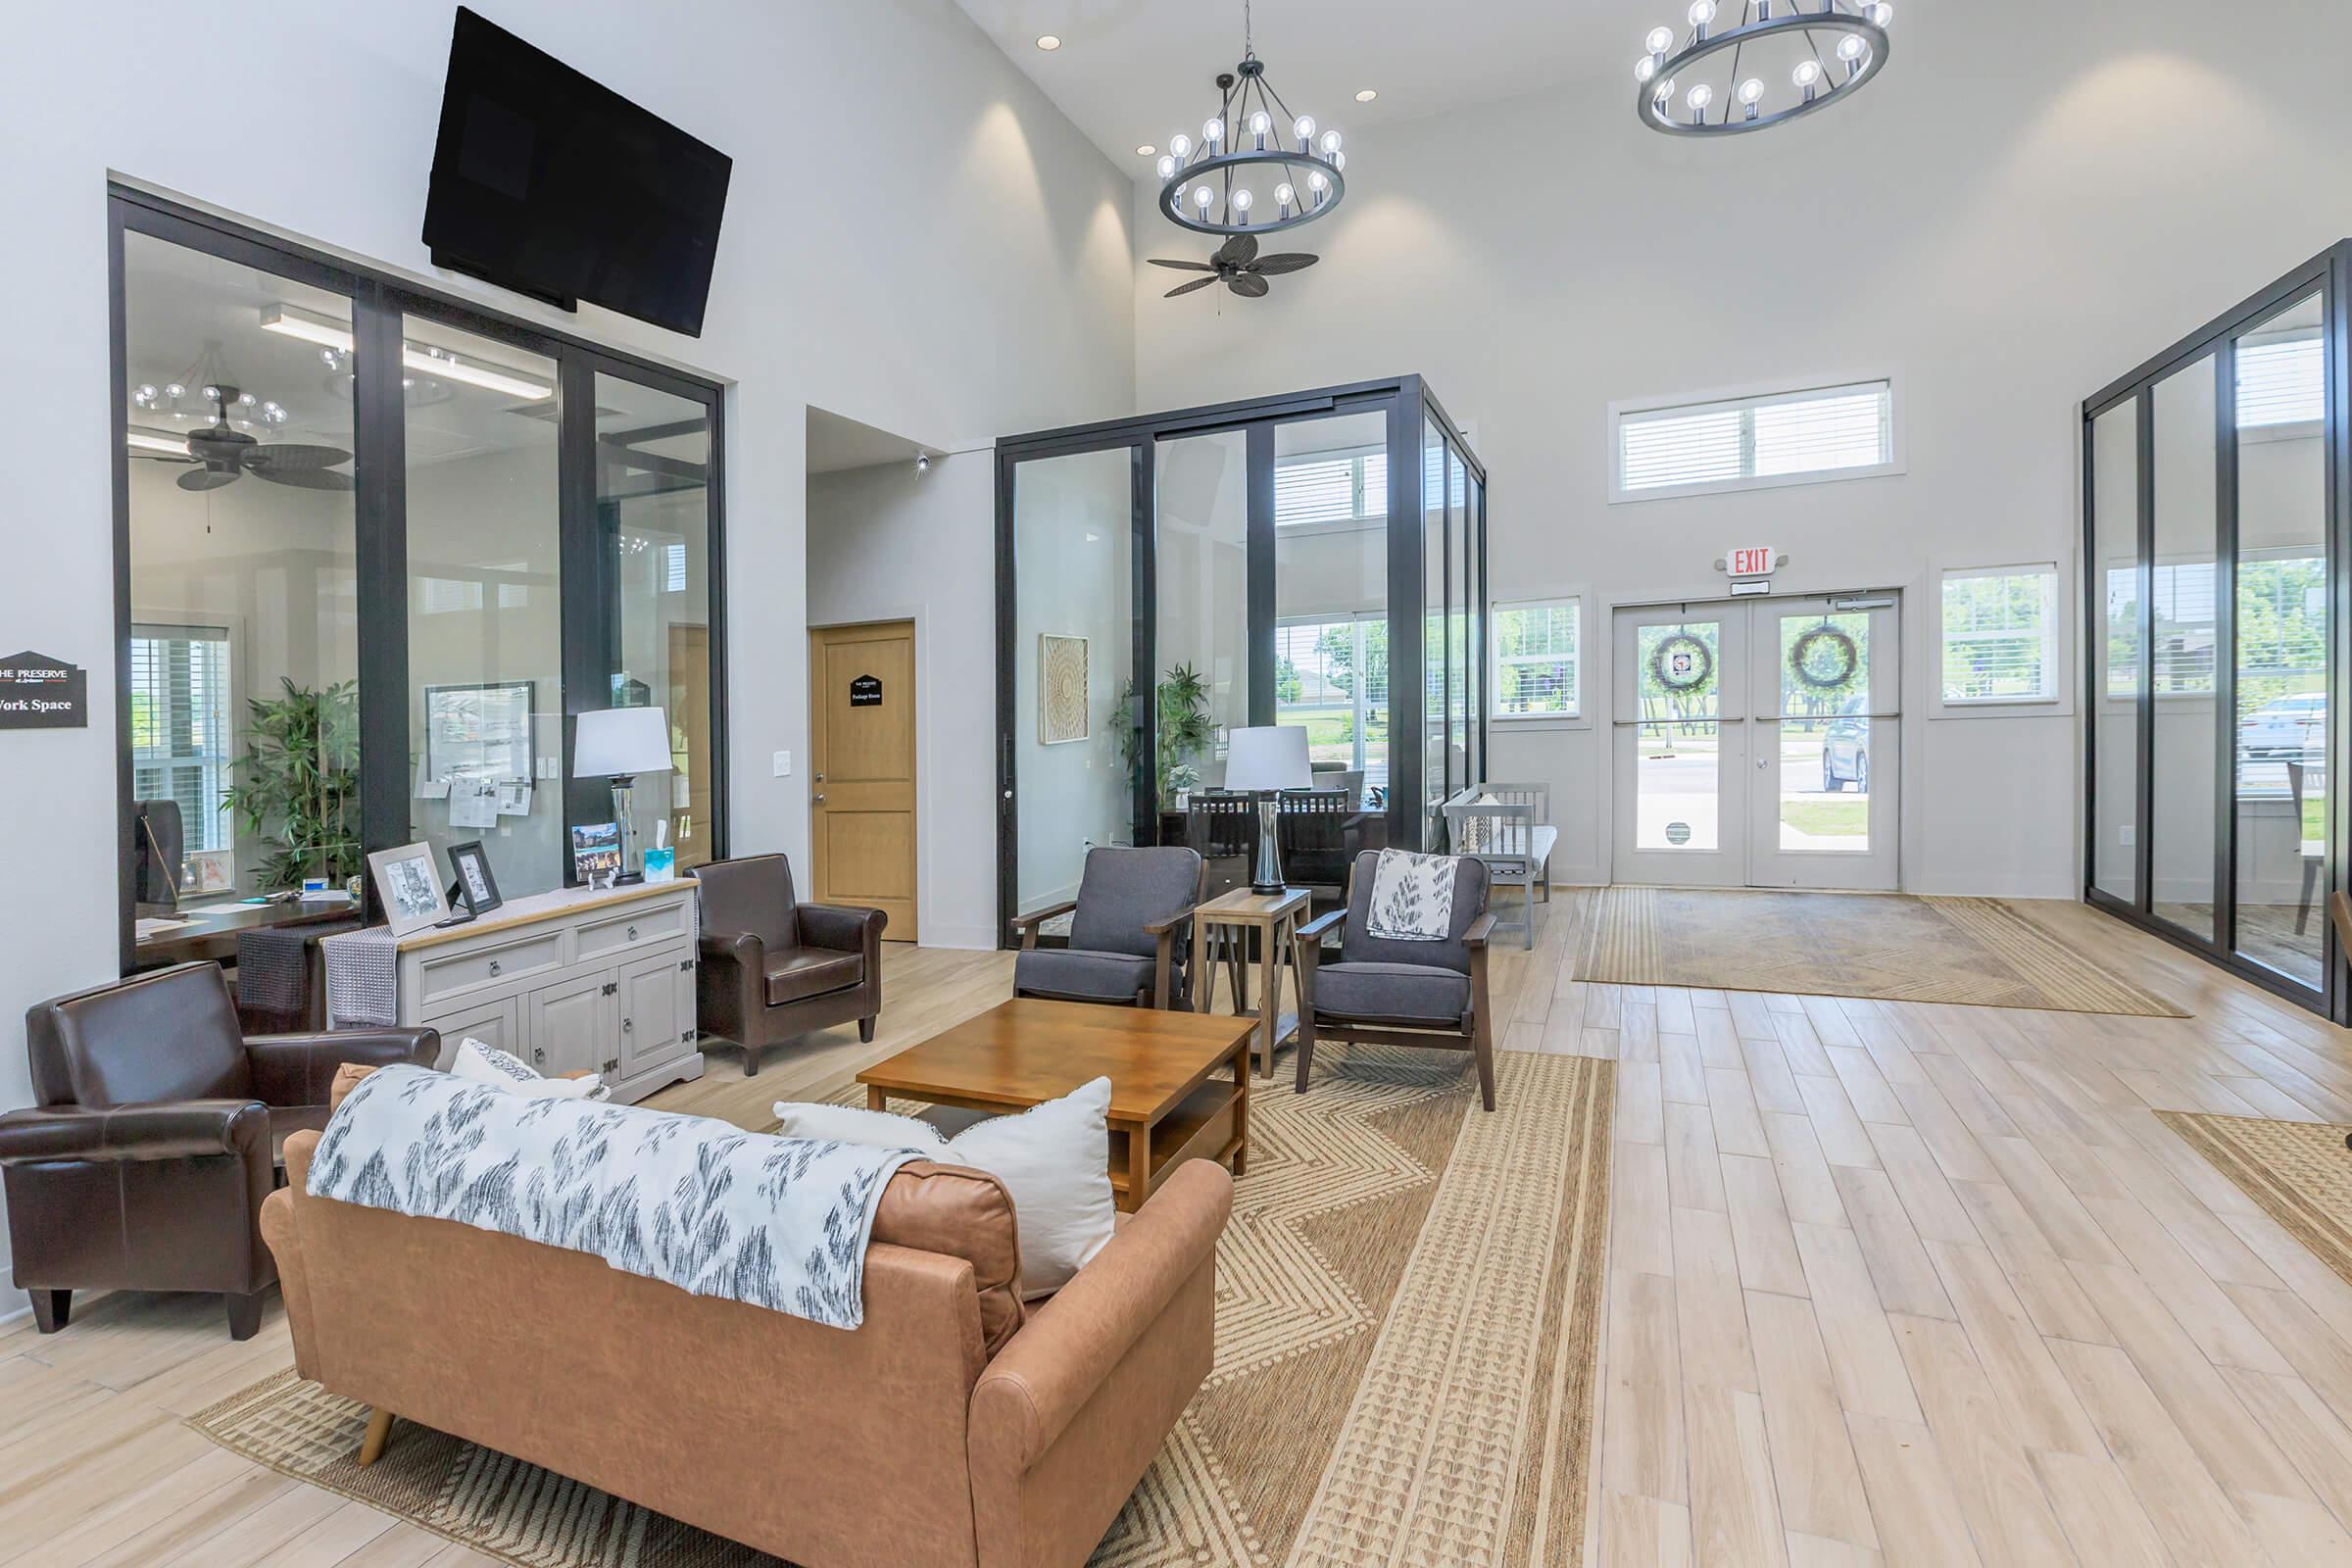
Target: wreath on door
pixel 1824 658
pixel 1681 662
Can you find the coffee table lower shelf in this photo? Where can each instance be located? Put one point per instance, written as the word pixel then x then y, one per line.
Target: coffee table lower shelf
pixel 1204 1125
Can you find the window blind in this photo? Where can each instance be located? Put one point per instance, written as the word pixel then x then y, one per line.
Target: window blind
pixel 2281 382
pixel 1782 436
pixel 179 725
pixel 1535 656
pixel 1331 489
pixel 1997 635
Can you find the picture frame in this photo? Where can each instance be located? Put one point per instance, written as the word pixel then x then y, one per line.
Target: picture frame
pixel 596 853
pixel 480 731
pixel 410 886
pixel 476 884
pixel 1063 715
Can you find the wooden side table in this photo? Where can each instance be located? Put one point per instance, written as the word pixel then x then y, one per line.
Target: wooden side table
pixel 1276 917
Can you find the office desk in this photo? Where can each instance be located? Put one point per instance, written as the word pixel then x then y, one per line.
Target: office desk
pixel 214 934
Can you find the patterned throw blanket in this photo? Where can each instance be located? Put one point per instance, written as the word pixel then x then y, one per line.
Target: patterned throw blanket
pixel 1412 896
pixel 777 1222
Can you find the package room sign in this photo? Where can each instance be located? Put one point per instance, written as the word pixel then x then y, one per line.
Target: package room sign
pixel 37 692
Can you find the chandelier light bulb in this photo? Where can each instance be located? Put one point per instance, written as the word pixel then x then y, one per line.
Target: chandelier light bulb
pixel 175 390
pixel 1851 47
pixel 1646 68
pixel 1331 142
pixel 1881 14
pixel 1304 127
pixel 1242 201
pixel 1698 98
pixel 1807 73
pixel 1339 160
pixel 1181 145
pixel 1660 41
pixel 1286 196
pixel 1261 122
pixel 1166 166
pixel 1203 197
pixel 1213 131
pixel 1750 90
pixel 1701 13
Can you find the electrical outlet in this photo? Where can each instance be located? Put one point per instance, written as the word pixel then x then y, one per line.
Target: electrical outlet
pixel 783 764
pixel 2124 835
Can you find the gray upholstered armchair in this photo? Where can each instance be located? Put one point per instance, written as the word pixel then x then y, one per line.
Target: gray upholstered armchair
pixel 1130 932
pixel 1383 991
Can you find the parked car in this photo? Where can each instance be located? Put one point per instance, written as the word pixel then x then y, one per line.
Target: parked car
pixel 2292 727
pixel 1845 749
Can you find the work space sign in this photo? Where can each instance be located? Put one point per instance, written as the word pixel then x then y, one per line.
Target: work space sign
pixel 37 692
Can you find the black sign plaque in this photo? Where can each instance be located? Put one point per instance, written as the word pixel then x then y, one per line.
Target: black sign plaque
pixel 37 692
pixel 865 692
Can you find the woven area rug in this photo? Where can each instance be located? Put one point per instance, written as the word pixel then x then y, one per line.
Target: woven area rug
pixel 2298 1171
pixel 1891 946
pixel 1409 1298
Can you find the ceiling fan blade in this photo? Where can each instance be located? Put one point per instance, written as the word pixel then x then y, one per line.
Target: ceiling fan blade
pixel 294 458
pixel 1187 288
pixel 1287 262
pixel 306 478
pixel 1183 266
pixel 207 479
pixel 1240 249
pixel 1249 286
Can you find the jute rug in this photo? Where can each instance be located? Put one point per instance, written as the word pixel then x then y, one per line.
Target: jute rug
pixel 2300 1172
pixel 1891 946
pixel 1408 1298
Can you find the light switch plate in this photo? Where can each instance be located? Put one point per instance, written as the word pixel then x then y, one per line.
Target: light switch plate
pixel 783 764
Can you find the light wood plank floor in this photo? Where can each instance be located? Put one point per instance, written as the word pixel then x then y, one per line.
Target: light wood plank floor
pixel 1887 1281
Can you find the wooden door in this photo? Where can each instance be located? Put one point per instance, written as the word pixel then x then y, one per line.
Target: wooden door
pixel 692 828
pixel 861 773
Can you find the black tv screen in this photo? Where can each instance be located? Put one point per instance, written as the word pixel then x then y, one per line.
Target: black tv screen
pixel 550 184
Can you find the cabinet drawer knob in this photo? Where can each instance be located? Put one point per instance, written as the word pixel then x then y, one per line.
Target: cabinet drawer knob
pixel 632 933
pixel 628 1025
pixel 494 966
pixel 538 1054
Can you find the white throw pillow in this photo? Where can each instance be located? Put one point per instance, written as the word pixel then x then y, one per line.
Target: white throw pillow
pixel 478 1063
pixel 1053 1158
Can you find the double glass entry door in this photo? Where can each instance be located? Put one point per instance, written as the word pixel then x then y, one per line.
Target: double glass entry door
pixel 1756 744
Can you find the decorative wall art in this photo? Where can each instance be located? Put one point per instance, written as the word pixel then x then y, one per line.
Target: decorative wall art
pixel 1061 673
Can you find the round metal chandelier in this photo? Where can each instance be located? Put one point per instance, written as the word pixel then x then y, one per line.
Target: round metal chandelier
pixel 1778 62
pixel 1202 185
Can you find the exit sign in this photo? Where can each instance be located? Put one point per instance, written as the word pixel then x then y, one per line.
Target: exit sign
pixel 1755 561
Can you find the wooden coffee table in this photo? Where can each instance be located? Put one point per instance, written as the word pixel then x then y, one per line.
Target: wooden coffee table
pixel 1179 1081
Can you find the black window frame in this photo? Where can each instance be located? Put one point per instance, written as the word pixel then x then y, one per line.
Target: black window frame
pixel 380 301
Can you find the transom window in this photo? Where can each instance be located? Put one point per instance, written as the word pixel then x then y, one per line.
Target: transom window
pixel 1792 437
pixel 1333 487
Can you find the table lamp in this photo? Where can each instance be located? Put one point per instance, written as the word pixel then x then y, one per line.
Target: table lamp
pixel 1264 760
pixel 621 743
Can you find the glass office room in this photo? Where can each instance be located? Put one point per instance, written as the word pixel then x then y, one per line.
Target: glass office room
pixel 2216 514
pixel 1301 560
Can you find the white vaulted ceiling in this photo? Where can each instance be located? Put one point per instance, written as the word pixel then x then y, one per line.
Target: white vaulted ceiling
pixel 1131 71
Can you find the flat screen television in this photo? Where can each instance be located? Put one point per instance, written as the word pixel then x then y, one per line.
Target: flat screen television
pixel 550 184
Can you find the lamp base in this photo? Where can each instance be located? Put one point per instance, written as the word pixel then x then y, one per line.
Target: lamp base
pixel 1266 879
pixel 624 814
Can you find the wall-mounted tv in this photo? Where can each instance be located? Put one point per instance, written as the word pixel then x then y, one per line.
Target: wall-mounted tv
pixel 550 184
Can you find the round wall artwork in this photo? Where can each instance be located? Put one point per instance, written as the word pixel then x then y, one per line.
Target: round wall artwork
pixel 1681 662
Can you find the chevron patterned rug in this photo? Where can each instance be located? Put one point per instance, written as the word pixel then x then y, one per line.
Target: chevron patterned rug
pixel 1409 1300
pixel 1891 946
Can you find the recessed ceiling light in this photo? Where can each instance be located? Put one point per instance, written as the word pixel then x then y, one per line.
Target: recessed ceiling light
pixel 1049 42
pixel 1367 95
pixel 1145 150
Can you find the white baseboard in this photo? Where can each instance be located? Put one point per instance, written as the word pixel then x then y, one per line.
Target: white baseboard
pixel 963 938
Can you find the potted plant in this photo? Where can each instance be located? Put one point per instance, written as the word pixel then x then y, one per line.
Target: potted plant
pixel 298 785
pixel 1185 731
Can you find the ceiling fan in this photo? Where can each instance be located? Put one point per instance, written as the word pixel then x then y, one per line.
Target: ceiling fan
pixel 224 454
pixel 1237 264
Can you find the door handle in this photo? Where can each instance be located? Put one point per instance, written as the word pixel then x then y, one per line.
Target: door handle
pixel 817 799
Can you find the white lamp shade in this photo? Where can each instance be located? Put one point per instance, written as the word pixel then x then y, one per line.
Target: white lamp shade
pixel 617 741
pixel 1272 756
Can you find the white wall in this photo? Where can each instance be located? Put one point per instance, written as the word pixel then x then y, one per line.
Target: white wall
pixel 914 237
pixel 2027 204
pixel 885 543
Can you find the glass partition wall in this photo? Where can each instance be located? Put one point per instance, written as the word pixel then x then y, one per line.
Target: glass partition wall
pixel 2214 481
pixel 1248 556
pixel 375 549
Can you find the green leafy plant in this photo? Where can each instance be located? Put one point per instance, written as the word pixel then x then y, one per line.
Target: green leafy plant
pixel 1185 731
pixel 298 784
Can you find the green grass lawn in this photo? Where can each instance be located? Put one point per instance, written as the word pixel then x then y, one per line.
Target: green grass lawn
pixel 1827 819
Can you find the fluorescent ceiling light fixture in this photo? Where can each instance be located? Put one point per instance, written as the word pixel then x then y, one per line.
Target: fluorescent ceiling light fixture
pixel 155 441
pixel 1367 95
pixel 326 332
pixel 1049 42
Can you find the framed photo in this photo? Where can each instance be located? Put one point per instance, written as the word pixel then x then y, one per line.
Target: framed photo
pixel 476 884
pixel 596 853
pixel 480 732
pixel 1061 714
pixel 410 885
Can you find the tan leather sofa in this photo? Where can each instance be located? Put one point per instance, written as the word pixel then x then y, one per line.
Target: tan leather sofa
pixel 956 1426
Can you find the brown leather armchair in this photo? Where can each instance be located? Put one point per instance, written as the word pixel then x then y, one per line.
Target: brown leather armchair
pixel 773 967
pixel 154 1138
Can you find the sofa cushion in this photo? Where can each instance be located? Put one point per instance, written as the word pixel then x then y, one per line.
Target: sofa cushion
pixel 1123 891
pixel 1074 972
pixel 796 973
pixel 1401 991
pixel 959 1211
